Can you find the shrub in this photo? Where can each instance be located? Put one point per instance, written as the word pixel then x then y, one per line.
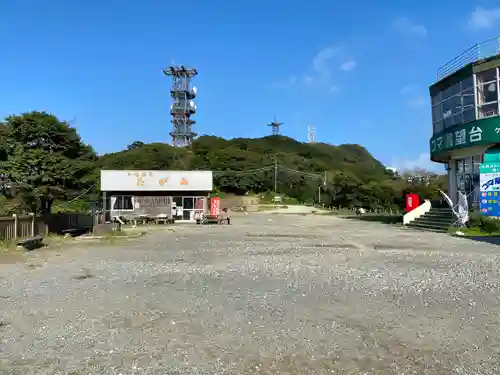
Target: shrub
pixel 484 223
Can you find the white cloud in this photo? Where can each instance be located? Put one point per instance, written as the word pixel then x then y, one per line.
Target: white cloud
pixel 408 89
pixel 348 65
pixel 418 101
pixel 321 70
pixel 422 161
pixel 405 26
pixel 482 18
pixel 321 63
pixel 308 79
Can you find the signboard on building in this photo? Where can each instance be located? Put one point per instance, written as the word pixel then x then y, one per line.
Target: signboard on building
pixel 489 197
pixel 132 180
pixel 480 132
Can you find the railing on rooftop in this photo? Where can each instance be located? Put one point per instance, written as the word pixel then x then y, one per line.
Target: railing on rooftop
pixel 483 50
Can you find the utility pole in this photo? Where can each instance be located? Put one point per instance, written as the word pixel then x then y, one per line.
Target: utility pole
pixel 275 175
pixel 319 189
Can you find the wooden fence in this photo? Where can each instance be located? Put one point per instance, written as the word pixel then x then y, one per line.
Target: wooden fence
pixel 58 223
pixel 20 226
pixel 16 227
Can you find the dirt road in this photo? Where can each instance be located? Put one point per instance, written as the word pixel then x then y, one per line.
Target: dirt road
pixel 270 294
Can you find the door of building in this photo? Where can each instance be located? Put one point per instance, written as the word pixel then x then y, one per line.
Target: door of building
pixel 189 208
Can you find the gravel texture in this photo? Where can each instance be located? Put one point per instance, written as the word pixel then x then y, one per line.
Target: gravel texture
pixel 270 294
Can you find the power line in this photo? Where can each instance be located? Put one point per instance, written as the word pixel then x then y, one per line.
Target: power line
pixel 276 168
pixel 309 174
pixel 82 194
pixel 244 171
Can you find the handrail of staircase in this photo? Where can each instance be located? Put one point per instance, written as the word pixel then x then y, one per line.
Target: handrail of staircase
pixel 460 210
pixel 417 212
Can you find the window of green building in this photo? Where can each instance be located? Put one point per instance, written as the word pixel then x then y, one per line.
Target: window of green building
pixel 487 93
pixel 454 105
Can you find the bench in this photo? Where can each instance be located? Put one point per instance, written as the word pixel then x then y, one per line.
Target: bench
pixel 31 242
pixel 213 219
pixel 164 220
pixel 74 232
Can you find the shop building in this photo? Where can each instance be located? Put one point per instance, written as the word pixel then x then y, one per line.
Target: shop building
pixel 465 116
pixel 134 193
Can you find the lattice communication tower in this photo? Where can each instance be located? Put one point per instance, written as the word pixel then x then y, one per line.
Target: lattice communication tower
pixel 275 125
pixel 311 134
pixel 183 106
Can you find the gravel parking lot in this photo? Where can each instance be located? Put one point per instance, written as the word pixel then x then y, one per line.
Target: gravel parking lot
pixel 270 294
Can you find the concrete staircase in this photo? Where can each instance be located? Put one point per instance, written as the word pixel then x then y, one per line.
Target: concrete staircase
pixel 438 219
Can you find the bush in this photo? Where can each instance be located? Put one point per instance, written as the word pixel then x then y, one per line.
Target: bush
pixel 484 223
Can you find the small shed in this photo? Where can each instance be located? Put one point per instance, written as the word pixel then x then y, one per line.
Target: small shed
pixel 153 193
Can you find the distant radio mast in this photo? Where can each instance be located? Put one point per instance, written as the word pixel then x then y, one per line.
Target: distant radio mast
pixel 183 106
pixel 311 134
pixel 275 125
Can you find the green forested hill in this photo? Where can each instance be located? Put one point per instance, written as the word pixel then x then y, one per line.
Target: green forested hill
pixel 218 154
pixel 43 160
pixel 244 165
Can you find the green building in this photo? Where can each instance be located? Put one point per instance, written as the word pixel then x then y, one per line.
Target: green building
pixel 465 116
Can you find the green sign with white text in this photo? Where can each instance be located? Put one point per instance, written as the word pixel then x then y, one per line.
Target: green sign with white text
pixel 480 132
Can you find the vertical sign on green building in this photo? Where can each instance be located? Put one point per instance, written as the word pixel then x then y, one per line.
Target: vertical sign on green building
pixel 489 200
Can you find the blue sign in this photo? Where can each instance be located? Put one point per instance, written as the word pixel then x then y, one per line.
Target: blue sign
pixel 489 197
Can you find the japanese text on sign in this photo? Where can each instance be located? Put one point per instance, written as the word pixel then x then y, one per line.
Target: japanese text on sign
pixel 494 181
pixel 139 176
pixel 458 138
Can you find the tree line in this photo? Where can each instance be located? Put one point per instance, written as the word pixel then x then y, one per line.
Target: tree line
pixel 45 166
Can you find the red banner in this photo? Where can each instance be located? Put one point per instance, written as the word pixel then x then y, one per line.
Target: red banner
pixel 412 202
pixel 214 206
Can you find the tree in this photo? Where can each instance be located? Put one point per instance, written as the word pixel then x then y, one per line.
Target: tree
pixel 135 144
pixel 45 159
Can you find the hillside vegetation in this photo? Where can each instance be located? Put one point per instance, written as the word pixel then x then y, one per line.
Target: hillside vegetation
pixel 44 162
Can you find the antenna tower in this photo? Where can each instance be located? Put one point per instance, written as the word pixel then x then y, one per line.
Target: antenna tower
pixel 311 134
pixel 183 106
pixel 275 125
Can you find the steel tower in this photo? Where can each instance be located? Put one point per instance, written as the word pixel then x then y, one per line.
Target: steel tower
pixel 275 125
pixel 311 134
pixel 183 106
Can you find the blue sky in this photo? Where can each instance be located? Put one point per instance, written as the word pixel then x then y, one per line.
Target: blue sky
pixel 359 72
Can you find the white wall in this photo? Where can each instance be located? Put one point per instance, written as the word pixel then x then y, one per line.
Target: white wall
pixel 142 180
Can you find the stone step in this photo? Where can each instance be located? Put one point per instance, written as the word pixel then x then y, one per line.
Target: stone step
pixel 439 212
pixel 432 222
pixel 439 217
pixel 438 220
pixel 429 226
pixel 427 229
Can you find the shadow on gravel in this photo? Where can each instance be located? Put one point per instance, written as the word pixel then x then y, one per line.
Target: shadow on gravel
pixel 344 246
pixel 279 235
pixel 307 249
pixel 86 274
pixel 388 247
pixel 384 219
pixel 494 240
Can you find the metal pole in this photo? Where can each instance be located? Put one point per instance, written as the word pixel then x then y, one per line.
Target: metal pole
pixel 275 175
pixel 319 194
